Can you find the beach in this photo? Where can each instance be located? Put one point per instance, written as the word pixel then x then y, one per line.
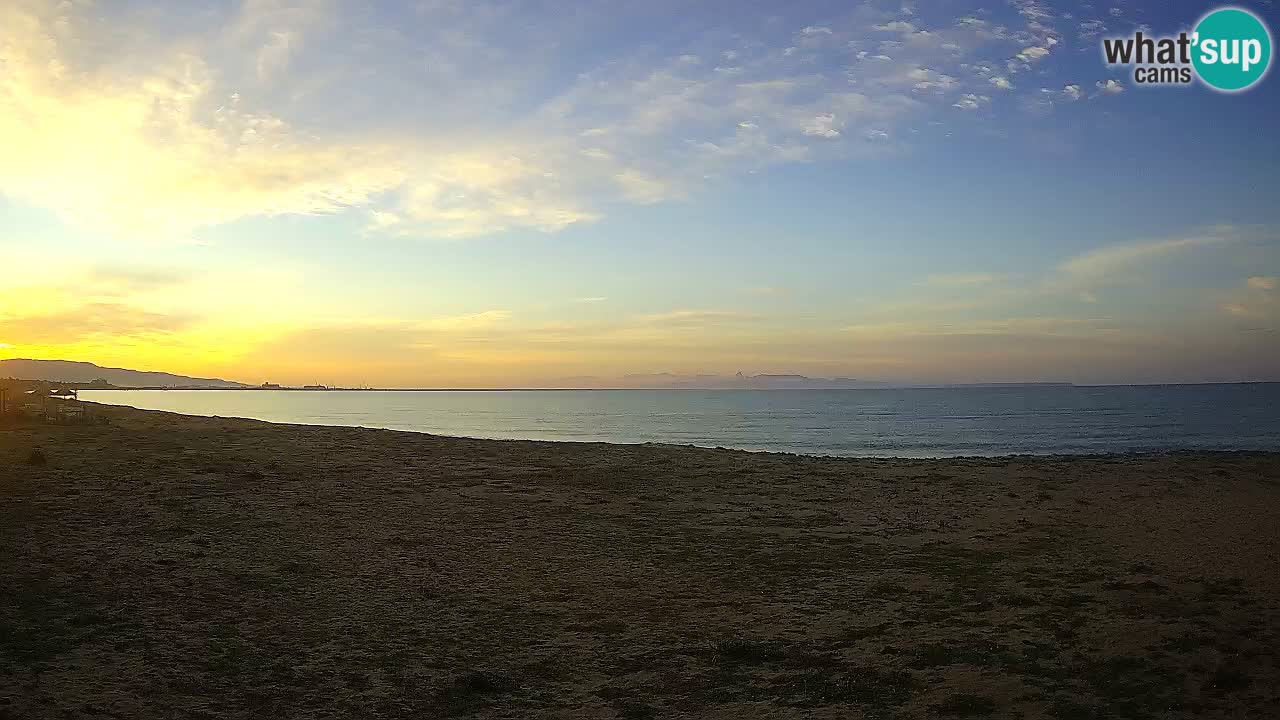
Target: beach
pixel 168 566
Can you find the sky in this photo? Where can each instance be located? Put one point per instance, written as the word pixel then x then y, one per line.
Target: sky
pixel 499 194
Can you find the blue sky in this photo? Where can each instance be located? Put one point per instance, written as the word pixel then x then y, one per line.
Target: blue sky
pixel 496 194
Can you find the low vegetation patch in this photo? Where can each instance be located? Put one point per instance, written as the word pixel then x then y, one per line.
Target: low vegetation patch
pixel 965 705
pixel 743 651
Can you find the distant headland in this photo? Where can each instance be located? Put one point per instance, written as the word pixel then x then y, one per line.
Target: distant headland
pixel 87 375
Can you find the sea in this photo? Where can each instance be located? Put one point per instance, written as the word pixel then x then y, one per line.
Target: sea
pixel 912 422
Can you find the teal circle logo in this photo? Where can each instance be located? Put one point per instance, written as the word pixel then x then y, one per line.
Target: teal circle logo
pixel 1231 49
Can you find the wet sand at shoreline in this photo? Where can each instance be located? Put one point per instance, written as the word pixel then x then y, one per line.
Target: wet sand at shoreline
pixel 171 566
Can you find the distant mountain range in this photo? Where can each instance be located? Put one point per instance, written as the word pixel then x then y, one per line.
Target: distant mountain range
pixel 745 382
pixel 66 371
pixel 82 373
pixel 760 382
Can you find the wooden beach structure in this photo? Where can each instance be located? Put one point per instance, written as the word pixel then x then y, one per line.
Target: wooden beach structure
pixel 56 404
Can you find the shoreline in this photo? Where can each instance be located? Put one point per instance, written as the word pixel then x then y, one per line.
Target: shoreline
pixel 168 565
pixel 764 451
pixel 1132 454
pixel 965 386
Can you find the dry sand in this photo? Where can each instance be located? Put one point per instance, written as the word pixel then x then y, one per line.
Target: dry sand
pixel 176 567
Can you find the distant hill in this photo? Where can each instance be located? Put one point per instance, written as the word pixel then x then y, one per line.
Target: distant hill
pixel 745 382
pixel 67 371
pixel 671 381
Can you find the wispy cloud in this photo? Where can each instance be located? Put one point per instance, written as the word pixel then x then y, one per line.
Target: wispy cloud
pixel 201 133
pixel 1014 326
pixel 485 319
pixel 1109 87
pixel 962 279
pixel 179 155
pixel 1259 299
pixel 113 320
pixel 694 318
pixel 641 188
pixel 971 101
pixel 1131 258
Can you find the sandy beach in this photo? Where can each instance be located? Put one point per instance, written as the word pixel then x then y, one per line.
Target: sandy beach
pixel 164 566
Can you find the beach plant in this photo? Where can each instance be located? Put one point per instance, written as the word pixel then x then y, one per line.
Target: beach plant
pixel 37 457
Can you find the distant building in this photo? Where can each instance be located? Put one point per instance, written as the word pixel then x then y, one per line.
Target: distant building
pixel 314 387
pixel 269 386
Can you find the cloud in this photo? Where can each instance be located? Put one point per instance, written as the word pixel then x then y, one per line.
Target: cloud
pixel 962 279
pixel 274 56
pixel 170 164
pixel 112 320
pixel 971 101
pixel 1032 54
pixel 384 220
pixel 343 354
pixel 641 188
pixel 292 107
pixel 123 282
pixel 458 195
pixel 693 318
pixel 183 156
pixel 898 26
pixel 1259 299
pixel 1109 87
pixel 927 79
pixel 822 126
pixel 1072 92
pixel 1019 326
pixel 474 321
pixel 277 28
pixel 1088 30
pixel 1127 259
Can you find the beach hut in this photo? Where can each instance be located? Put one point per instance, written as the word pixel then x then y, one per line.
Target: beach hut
pixel 34 402
pixel 71 413
pixel 62 405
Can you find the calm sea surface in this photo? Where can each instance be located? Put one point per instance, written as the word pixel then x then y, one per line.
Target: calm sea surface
pixel 908 422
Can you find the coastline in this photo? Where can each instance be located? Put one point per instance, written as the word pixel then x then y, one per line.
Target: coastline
pixel 695 388
pixel 1101 455
pixel 167 565
pixel 913 423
